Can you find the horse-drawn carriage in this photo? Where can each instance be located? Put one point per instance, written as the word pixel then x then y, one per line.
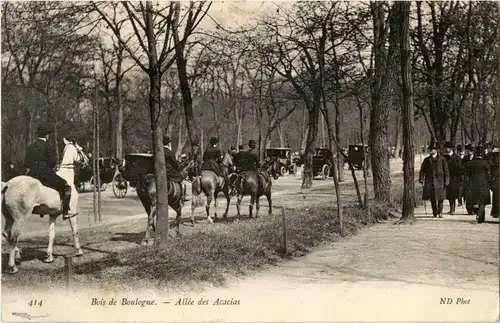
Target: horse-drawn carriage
pixel 284 156
pixel 135 166
pixel 85 174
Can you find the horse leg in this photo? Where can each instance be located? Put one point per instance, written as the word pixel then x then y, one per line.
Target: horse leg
pixel 52 234
pixel 7 232
pixel 13 231
pixel 192 211
pixel 148 224
pixel 228 199
pixel 215 206
pixel 270 203
pixel 178 220
pixel 207 208
pixel 252 202
pixel 257 207
pixel 238 204
pixel 74 230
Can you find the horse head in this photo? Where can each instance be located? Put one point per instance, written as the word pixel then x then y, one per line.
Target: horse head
pixel 82 159
pixel 272 167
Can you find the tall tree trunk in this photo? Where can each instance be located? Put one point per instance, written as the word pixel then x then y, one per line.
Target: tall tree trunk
pixel 379 118
pixel 183 82
pixel 397 141
pixel 313 114
pixel 281 135
pixel 408 215
pixel 162 224
pixel 119 107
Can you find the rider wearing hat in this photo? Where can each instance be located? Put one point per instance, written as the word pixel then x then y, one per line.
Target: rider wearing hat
pixel 172 165
pixel 40 164
pixel 434 175
pixel 251 160
pixel 212 158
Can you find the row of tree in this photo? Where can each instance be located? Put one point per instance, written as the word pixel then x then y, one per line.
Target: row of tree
pixel 303 70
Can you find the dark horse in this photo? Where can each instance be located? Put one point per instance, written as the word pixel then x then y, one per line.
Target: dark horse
pixel 146 190
pixel 254 184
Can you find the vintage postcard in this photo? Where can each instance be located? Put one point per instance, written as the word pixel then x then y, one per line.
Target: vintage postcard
pixel 250 161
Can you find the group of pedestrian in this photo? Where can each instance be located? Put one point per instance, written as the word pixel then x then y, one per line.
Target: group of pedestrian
pixel 464 175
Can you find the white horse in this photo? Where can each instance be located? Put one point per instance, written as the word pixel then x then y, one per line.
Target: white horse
pixel 23 196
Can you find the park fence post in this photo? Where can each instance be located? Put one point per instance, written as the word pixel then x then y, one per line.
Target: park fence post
pixel 285 238
pixel 68 272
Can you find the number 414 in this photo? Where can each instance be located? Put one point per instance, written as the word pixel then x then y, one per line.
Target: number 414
pixel 35 302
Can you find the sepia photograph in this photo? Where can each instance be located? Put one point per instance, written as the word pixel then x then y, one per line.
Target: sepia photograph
pixel 250 161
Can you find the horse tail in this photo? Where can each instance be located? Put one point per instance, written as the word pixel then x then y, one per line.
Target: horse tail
pixel 5 211
pixel 196 192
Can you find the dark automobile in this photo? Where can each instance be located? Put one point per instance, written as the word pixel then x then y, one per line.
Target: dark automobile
pixel 135 166
pixel 322 163
pixel 357 155
pixel 284 156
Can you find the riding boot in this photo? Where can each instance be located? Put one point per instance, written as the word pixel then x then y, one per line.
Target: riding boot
pixel 184 193
pixel 65 203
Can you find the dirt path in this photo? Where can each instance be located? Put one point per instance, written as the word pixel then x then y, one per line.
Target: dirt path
pixel 385 273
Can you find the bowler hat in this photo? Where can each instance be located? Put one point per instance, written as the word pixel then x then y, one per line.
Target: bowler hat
pixel 240 147
pixel 44 129
pixel 251 143
pixel 213 141
pixel 166 140
pixel 459 148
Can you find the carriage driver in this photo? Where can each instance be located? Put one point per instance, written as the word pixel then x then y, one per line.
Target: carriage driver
pixel 40 164
pixel 212 159
pixel 172 165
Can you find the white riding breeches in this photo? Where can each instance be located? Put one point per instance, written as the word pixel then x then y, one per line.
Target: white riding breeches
pixel 68 174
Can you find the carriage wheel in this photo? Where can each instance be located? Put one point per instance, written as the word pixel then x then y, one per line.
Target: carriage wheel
pixel 282 170
pixel 325 172
pixel 120 186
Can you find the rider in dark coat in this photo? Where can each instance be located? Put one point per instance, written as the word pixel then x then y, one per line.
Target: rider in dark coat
pixel 461 155
pixel 494 169
pixel 172 165
pixel 40 164
pixel 212 158
pixel 238 158
pixel 477 171
pixel 455 169
pixel 251 161
pixel 434 175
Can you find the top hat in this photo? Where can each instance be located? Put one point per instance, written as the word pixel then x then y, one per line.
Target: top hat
pixel 434 145
pixel 44 129
pixel 213 141
pixel 166 140
pixel 479 150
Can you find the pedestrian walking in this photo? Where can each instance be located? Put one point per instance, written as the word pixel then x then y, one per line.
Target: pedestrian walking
pixel 477 195
pixel 434 175
pixel 455 170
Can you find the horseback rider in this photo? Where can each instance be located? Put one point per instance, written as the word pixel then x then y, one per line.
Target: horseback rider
pixel 67 169
pixel 40 164
pixel 237 159
pixel 251 161
pixel 212 159
pixel 173 168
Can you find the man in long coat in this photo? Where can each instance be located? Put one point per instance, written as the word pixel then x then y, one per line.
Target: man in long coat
pixel 469 156
pixel 40 164
pixel 212 158
pixel 251 160
pixel 455 170
pixel 461 154
pixel 173 168
pixel 494 169
pixel 434 175
pixel 238 158
pixel 477 195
